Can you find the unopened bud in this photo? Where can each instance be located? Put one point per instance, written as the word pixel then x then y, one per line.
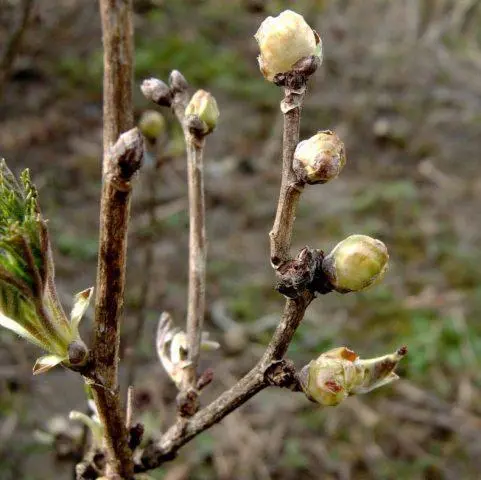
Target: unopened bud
pixel 77 353
pixel 283 41
pixel 319 158
pixel 177 81
pixel 338 373
pixel 356 263
pixel 157 91
pixel 152 125
pixel 204 106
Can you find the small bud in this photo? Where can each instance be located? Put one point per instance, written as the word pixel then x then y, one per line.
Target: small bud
pixel 320 158
pixel 338 373
pixel 157 91
pixel 356 263
pixel 283 41
pixel 77 353
pixel 152 125
pixel 204 106
pixel 177 82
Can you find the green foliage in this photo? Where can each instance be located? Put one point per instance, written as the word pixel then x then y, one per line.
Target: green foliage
pixel 21 228
pixel 28 303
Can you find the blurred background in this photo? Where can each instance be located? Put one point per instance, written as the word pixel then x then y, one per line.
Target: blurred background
pixel 400 85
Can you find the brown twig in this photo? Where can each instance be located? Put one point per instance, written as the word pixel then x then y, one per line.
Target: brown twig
pixel 122 157
pixel 122 163
pixel 197 254
pixel 195 142
pixel 13 43
pixel 291 188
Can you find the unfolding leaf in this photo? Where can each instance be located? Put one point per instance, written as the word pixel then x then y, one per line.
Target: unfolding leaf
pixel 45 363
pixel 81 303
pixel 12 325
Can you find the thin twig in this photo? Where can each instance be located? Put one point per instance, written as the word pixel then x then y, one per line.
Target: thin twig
pixel 195 142
pixel 13 43
pixel 291 189
pixel 197 254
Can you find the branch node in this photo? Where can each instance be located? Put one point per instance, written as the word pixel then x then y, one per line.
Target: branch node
pixel 295 275
pixel 187 402
pixel 282 373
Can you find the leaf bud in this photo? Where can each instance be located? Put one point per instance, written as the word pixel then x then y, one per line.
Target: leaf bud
pixel 355 263
pixel 157 91
pixel 283 41
pixel 177 82
pixel 77 353
pixel 319 158
pixel 152 125
pixel 338 373
pixel 204 106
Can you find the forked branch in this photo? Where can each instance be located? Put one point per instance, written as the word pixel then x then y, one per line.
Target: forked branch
pixel 271 370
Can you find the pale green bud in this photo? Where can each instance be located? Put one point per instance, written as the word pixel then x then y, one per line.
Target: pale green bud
pixel 355 263
pixel 152 125
pixel 319 158
pixel 204 106
pixel 283 41
pixel 338 373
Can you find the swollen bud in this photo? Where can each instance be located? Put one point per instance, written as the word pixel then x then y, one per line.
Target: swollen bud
pixel 151 125
pixel 338 373
pixel 204 106
pixel 355 263
pixel 283 41
pixel 157 91
pixel 319 158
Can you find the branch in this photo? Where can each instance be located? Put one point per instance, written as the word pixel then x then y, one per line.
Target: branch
pixel 291 188
pixel 197 254
pixel 271 369
pixel 123 162
pixel 195 142
pixel 120 162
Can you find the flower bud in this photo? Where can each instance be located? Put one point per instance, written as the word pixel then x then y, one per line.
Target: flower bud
pixel 355 263
pixel 283 41
pixel 204 106
pixel 157 91
pixel 338 373
pixel 319 158
pixel 152 125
